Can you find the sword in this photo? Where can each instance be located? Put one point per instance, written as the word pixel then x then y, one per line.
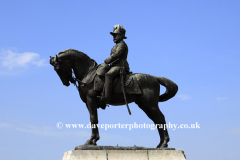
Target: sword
pixel 124 94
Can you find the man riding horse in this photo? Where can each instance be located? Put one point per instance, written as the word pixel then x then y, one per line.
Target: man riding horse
pixel 82 65
pixel 117 60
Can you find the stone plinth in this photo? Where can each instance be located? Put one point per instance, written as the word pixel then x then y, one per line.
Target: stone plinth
pixel 122 153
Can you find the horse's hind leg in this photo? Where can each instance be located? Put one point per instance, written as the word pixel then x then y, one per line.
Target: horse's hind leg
pixel 154 113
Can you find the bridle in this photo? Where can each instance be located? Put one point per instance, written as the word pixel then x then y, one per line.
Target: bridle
pixel 71 74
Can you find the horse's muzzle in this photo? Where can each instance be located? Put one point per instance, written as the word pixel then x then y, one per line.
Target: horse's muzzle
pixel 66 84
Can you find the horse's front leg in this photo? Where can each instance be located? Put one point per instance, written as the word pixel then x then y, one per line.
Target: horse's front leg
pixel 92 108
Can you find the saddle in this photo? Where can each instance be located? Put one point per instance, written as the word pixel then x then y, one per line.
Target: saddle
pixel 130 82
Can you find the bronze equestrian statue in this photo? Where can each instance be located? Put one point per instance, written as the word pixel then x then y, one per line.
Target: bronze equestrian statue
pixel 143 89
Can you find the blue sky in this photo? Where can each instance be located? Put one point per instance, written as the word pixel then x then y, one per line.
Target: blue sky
pixel 193 43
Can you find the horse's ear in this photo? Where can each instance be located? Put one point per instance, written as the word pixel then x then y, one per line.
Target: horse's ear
pixel 51 60
pixel 57 59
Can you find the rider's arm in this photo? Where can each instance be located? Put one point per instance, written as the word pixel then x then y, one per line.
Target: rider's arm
pixel 118 53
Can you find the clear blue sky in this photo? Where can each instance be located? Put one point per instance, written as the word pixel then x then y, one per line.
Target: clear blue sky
pixel 193 43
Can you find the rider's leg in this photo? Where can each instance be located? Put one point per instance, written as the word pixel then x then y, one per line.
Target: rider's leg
pixel 112 73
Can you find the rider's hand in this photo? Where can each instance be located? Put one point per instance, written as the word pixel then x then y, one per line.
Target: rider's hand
pixel 106 61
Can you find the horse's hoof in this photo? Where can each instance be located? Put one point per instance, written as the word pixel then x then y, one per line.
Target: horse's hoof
pixel 163 146
pixel 94 142
pixel 88 142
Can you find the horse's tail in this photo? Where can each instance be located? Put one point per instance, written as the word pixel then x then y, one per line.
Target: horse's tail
pixel 171 89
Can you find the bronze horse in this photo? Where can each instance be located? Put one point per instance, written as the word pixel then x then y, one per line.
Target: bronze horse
pixel 72 60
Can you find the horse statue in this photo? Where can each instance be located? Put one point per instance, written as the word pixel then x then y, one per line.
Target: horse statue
pixel 143 89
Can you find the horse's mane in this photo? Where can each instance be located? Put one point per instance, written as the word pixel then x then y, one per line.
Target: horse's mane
pixel 77 54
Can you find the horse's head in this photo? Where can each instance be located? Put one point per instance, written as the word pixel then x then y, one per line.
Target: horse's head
pixel 63 69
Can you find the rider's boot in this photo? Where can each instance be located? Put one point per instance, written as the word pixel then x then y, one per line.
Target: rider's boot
pixel 107 89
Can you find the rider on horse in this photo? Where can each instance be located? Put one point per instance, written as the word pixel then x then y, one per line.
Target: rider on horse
pixel 117 59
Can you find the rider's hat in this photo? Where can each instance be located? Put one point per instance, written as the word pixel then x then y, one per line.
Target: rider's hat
pixel 118 29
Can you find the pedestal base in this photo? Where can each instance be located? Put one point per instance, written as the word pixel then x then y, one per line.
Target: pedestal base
pixel 124 154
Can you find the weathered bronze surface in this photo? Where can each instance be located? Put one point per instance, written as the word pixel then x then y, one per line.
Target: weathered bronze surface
pixel 143 89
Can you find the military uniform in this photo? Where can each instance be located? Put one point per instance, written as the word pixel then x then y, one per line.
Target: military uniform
pixel 117 59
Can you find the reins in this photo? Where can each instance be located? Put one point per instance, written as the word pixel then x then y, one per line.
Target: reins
pixel 80 81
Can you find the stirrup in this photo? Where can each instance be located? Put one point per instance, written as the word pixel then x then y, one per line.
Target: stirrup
pixel 104 99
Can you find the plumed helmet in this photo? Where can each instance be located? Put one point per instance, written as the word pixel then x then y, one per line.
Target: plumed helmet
pixel 118 29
